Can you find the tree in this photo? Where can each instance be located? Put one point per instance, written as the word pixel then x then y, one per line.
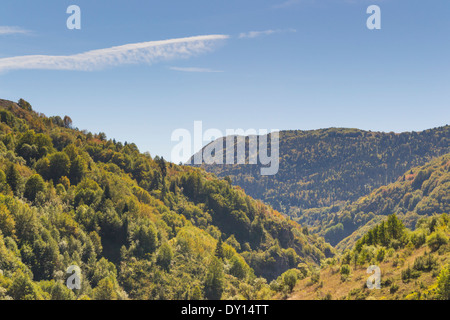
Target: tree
pixel 34 185
pixel 88 192
pixel 67 122
pixel 22 288
pixel 57 290
pixel 219 249
pixel 77 170
pixel 43 168
pixel 395 227
pixel 443 283
pixel 102 136
pixel 238 267
pixel 13 177
pixel 290 278
pixel 165 256
pixel 2 178
pixel 214 282
pixel 65 182
pixel 146 239
pixel 7 222
pixel 163 167
pixel 106 290
pixel 197 293
pixel 25 105
pixel 59 166
pixel 106 192
pixel 382 234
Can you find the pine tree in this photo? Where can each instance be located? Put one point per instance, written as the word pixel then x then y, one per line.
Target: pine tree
pixel 219 249
pixel 382 234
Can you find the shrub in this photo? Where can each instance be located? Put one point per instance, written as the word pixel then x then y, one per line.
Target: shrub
pixel 418 238
pixel 436 240
pixel 290 278
pixel 394 288
pixel 381 254
pixel 424 263
pixel 443 283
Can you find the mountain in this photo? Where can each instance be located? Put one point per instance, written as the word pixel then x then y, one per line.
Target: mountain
pixel 420 191
pixel 403 229
pixel 136 226
pixel 321 170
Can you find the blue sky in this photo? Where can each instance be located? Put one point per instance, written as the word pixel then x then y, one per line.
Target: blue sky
pixel 264 64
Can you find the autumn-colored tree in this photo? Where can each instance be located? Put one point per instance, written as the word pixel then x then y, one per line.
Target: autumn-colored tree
pixel 7 222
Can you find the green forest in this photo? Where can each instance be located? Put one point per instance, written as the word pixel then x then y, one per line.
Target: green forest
pixel 132 226
pixel 329 167
pixel 370 195
pixel 137 226
pixel 421 191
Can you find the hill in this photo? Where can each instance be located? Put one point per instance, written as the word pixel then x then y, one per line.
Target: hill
pixel 324 169
pixel 413 265
pixel 420 191
pixel 137 226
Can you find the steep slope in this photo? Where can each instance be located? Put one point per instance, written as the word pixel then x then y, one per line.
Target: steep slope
pixel 328 167
pixel 138 227
pixel 419 192
pixel 413 265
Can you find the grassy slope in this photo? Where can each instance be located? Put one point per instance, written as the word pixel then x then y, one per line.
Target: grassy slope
pixel 354 286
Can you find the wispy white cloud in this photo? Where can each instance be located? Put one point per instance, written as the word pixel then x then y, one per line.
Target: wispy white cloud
pixel 12 30
pixel 193 69
pixel 143 52
pixel 255 34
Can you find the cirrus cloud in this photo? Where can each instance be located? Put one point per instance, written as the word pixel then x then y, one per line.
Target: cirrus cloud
pixel 143 52
pixel 4 30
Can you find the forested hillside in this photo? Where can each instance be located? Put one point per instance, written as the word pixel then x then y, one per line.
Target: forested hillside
pixel 363 193
pixel 138 227
pixel 421 191
pixel 328 167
